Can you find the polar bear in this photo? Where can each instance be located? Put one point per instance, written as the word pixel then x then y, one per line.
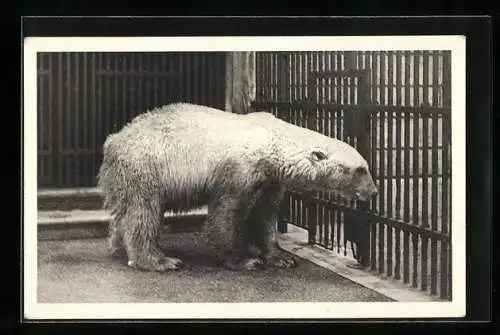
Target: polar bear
pixel 183 156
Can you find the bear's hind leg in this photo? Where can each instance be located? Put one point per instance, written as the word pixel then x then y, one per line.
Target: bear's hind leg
pixel 141 232
pixel 225 231
pixel 262 229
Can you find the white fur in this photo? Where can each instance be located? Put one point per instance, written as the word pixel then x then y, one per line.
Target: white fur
pixel 182 156
pixel 192 144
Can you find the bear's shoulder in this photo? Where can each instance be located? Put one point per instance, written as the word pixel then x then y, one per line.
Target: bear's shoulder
pixel 265 119
pixel 261 115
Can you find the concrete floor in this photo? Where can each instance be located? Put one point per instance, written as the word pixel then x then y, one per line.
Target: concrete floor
pixel 81 271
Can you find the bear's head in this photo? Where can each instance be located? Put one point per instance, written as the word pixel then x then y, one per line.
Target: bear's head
pixel 344 172
pixel 334 167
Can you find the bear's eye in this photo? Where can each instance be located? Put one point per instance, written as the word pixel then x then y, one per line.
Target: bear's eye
pixel 360 171
pixel 318 155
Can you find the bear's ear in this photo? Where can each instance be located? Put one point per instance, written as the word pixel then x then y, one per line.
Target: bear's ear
pixel 318 155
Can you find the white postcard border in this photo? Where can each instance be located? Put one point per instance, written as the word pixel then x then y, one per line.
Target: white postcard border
pixel 455 308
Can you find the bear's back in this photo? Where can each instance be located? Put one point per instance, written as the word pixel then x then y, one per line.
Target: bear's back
pixel 189 118
pixel 194 127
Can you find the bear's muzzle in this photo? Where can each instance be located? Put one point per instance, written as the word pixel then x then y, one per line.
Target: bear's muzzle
pixel 365 195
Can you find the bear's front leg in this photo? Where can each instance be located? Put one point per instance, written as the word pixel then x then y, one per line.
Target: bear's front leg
pixel 140 227
pixel 262 223
pixel 227 215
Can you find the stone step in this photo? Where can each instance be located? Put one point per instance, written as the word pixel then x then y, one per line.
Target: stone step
pixel 78 224
pixel 69 199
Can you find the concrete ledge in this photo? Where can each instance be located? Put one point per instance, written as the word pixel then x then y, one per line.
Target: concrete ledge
pixel 295 242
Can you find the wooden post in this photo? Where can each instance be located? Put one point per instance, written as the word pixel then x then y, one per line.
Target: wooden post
pixel 284 96
pixel 240 81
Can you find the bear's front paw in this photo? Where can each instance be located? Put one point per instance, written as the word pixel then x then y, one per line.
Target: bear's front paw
pixel 281 260
pixel 243 263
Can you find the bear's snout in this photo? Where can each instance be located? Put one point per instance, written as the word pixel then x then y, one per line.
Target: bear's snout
pixel 367 194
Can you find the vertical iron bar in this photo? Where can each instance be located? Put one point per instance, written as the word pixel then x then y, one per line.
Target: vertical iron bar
pixel 416 170
pixel 196 77
pixel 99 126
pixel 141 97
pixel 446 278
pixel 327 118
pixel 115 86
pixel 158 77
pixel 188 75
pixel 333 216
pixel 382 166
pixel 203 79
pixel 96 158
pixel 170 92
pixel 390 129
pixel 125 79
pixel 58 147
pixel 323 129
pixel 311 222
pixel 434 208
pixel 68 131
pixel 300 122
pixel 375 158
pixel 180 73
pixel 425 171
pixel 51 113
pixel 435 171
pixel 134 108
pixel 107 97
pixel 76 114
pixel 406 172
pixel 148 78
pixel 375 126
pixel 88 173
pixel 398 179
pixel 40 117
pixel 211 74
pixel 44 124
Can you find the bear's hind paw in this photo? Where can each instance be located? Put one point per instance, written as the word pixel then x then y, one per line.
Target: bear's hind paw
pixel 243 263
pixel 158 265
pixel 282 261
